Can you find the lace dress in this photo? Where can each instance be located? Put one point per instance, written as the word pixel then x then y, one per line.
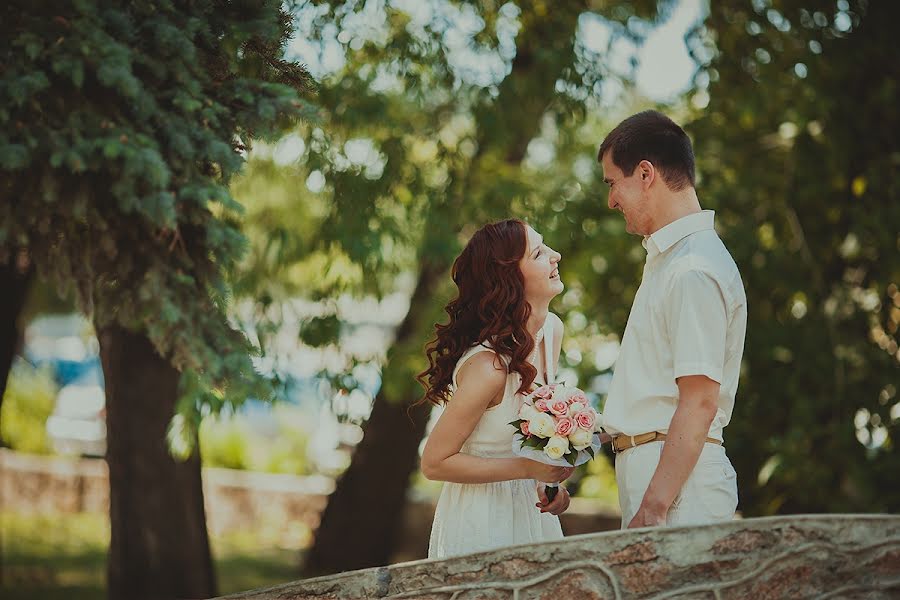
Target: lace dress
pixel 477 517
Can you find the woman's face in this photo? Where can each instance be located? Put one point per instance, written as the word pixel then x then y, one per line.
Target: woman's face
pixel 540 269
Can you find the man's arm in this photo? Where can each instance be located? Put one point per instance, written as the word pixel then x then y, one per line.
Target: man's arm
pixel 695 324
pixel 697 405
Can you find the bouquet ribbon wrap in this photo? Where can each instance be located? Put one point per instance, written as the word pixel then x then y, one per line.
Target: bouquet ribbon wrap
pixel 538 455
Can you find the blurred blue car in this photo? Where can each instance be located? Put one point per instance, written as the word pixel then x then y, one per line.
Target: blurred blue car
pixel 78 422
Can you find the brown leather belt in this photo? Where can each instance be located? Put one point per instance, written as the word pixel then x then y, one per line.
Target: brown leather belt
pixel 621 443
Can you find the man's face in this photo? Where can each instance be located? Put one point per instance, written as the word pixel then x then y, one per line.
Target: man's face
pixel 627 194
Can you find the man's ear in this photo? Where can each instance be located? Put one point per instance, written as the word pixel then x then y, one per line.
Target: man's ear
pixel 647 172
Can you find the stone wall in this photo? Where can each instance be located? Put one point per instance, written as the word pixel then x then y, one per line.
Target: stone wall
pixel 235 500
pixel 828 556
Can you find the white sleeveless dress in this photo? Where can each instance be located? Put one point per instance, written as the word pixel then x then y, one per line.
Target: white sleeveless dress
pixel 478 517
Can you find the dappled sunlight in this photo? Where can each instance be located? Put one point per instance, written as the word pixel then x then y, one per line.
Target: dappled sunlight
pixel 265 249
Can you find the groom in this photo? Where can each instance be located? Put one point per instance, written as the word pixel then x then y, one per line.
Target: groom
pixel 674 384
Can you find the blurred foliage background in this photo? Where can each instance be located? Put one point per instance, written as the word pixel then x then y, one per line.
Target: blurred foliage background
pixel 27 402
pixel 431 118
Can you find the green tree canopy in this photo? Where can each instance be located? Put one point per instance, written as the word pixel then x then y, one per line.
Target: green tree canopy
pixel 121 127
pixel 799 154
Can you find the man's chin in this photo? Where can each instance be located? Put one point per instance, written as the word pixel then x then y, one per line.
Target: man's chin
pixel 629 228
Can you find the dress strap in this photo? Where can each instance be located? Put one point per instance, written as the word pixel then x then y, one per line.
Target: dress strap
pixel 549 366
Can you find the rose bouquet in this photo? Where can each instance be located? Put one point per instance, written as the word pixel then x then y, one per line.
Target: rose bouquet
pixel 557 426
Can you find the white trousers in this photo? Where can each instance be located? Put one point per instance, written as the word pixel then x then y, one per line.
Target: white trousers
pixel 708 496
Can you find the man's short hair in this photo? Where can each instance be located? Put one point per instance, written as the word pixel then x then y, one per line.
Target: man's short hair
pixel 651 135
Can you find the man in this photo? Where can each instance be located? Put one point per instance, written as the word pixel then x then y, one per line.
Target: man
pixel 675 380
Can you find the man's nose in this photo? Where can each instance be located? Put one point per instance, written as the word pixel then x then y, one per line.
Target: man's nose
pixel 609 202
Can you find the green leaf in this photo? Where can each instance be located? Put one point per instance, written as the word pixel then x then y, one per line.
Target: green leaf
pixel 77 74
pixel 112 149
pixel 319 331
pixel 533 441
pixel 32 43
pixel 13 156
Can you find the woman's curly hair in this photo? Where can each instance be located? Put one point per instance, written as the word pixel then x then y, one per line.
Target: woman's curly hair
pixel 489 307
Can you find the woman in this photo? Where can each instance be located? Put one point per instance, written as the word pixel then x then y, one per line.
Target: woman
pixel 501 340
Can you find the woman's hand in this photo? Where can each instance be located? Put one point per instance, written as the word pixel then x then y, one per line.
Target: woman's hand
pixel 555 507
pixel 546 473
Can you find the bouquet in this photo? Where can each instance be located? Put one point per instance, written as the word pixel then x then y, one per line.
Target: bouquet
pixel 557 426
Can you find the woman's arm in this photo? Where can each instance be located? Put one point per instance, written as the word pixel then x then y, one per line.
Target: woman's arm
pixel 481 380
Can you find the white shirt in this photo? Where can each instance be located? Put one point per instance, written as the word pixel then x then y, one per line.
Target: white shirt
pixel 689 318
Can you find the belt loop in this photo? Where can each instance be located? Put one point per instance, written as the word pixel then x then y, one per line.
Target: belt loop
pixel 633 445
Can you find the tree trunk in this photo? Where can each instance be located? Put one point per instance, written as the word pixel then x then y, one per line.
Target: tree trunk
pixel 15 280
pixel 159 547
pixel 362 522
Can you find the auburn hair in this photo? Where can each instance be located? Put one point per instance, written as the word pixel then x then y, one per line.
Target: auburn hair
pixel 490 307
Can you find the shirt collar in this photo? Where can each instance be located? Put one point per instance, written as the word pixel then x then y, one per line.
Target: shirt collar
pixel 666 237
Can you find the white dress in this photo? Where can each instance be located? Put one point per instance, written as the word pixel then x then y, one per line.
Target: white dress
pixel 477 517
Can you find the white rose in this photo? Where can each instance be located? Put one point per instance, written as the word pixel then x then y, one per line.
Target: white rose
pixel 528 412
pixel 580 438
pixel 575 408
pixel 561 393
pixel 556 447
pixel 542 425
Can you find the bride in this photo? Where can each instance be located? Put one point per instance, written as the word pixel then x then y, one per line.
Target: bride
pixel 501 340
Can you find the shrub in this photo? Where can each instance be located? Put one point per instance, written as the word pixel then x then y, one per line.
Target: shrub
pixel 28 401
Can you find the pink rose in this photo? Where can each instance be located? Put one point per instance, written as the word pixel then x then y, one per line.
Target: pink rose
pixel 541 405
pixel 564 426
pixel 559 408
pixel 578 396
pixel 544 392
pixel 524 428
pixel 585 419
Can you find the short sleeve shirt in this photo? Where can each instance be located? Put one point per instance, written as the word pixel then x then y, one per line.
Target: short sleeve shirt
pixel 689 318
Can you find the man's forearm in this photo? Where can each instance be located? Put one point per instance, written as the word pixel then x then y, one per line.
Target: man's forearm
pixel 684 442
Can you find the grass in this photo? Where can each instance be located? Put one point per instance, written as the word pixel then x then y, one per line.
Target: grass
pixel 63 557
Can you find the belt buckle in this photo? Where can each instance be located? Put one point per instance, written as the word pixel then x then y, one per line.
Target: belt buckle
pixel 616 450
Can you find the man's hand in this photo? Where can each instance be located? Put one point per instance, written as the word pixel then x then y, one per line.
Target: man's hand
pixel 559 504
pixel 697 406
pixel 649 515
